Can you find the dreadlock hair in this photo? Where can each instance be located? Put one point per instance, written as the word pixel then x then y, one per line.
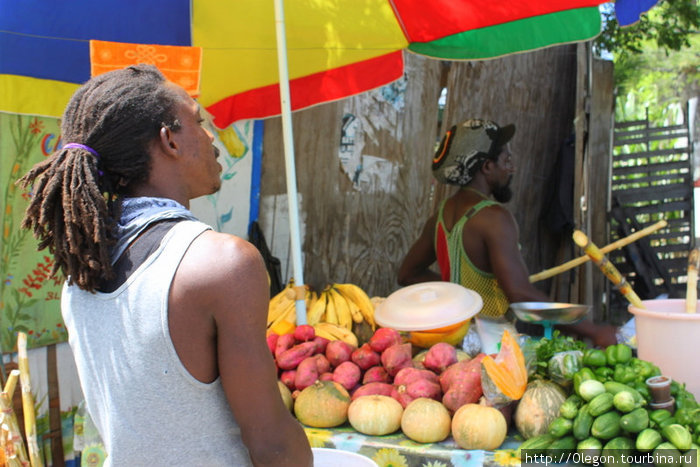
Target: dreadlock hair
pixel 76 196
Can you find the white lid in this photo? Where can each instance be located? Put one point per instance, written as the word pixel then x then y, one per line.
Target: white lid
pixel 428 305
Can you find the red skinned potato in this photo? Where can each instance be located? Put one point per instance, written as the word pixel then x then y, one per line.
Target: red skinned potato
pixel 287 377
pixel 396 357
pixel 440 356
pixel 373 389
pixel 399 393
pixel 347 374
pixel 284 343
pixel 328 376
pixel 376 374
pixel 322 364
pixel 321 344
pixel 307 373
pixel 338 352
pixel 304 333
pixel 456 371
pixel 365 357
pixel 466 391
pixel 424 388
pixel 383 338
pixel 272 341
pixel 408 374
pixel 291 358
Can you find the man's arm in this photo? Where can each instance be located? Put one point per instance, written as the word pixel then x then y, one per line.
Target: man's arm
pixel 235 294
pixel 415 266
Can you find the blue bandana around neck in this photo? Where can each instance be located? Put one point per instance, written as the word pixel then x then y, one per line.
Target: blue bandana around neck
pixel 138 213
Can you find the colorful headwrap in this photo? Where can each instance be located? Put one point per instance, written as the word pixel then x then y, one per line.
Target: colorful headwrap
pixel 465 146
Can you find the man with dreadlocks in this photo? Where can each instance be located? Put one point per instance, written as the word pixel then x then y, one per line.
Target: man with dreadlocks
pixel 473 237
pixel 166 317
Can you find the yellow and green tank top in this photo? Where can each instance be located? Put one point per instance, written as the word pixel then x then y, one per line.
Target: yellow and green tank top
pixel 455 265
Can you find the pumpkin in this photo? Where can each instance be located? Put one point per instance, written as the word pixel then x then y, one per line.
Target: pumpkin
pixel 505 377
pixel 477 426
pixel 324 404
pixel 426 421
pixel 538 407
pixel 375 415
pixel 286 395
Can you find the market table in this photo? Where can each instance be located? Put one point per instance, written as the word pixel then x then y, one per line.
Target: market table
pixel 396 450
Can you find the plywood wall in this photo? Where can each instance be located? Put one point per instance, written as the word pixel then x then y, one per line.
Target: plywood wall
pixel 359 232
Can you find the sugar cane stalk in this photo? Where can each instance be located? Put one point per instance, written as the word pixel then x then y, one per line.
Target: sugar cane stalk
pixel 13 444
pixel 607 267
pixel 28 402
pixel 691 293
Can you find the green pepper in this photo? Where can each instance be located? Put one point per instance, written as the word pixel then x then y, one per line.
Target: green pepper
pixel 611 354
pixel 669 421
pixel 643 389
pixel 623 353
pixel 594 357
pixel 604 371
pixel 643 368
pixel 687 416
pixel 623 373
pixel 659 415
pixel 582 375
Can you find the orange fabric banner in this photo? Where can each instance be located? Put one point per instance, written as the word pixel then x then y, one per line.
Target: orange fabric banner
pixel 179 64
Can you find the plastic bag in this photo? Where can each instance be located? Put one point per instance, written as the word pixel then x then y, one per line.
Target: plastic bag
pixel 562 366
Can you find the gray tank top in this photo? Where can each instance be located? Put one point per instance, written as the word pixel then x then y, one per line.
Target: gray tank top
pixel 149 410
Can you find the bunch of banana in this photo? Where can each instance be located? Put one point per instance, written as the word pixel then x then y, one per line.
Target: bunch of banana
pixel 281 311
pixel 334 332
pixel 342 304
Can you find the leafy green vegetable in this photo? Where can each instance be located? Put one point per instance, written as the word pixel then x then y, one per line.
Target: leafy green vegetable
pixel 545 348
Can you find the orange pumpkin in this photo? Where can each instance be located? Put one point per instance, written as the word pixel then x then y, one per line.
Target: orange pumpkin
pixel 507 372
pixel 324 404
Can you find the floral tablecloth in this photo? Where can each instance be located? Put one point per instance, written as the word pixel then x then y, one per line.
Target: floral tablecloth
pixel 396 450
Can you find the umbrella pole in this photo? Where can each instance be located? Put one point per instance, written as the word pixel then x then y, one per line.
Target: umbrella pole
pixel 290 169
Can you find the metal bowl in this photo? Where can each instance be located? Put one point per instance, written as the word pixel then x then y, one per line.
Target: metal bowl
pixel 549 312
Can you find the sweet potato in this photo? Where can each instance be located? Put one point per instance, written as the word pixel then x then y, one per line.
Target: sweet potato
pixel 408 374
pixel 365 357
pixel 383 338
pixel 399 393
pixel 396 357
pixel 287 377
pixel 376 374
pixel 284 342
pixel 457 371
pixel 304 333
pixel 307 373
pixel 322 364
pixel 373 389
pixel 327 376
pixel 291 358
pixel 463 391
pixel 272 341
pixel 423 388
pixel 440 356
pixel 347 374
pixel 321 344
pixel 338 352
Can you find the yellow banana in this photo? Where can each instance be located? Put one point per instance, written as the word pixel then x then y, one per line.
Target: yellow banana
pixel 339 332
pixel 317 310
pixel 331 316
pixel 276 310
pixel 311 298
pixel 361 299
pixel 320 332
pixel 281 295
pixel 354 309
pixel 341 309
pixel 286 312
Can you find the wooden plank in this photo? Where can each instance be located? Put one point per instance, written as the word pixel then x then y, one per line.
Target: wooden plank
pixel 654 193
pixel 618 141
pixel 652 168
pixel 646 154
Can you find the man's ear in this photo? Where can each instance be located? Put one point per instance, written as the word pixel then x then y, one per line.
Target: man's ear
pixel 166 140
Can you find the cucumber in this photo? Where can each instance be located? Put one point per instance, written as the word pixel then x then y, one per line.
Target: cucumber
pixel 561 446
pixel 666 455
pixel 606 426
pixel 647 440
pixel 613 387
pixel 560 426
pixel 582 423
pixel 600 404
pixel 624 401
pixel 616 450
pixel 590 388
pixel 535 445
pixel 570 407
pixel 589 449
pixel 678 435
pixel 635 421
